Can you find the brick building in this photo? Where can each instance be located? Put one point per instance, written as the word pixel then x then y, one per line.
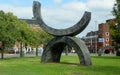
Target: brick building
pixel 104 38
pixel 91 41
pixel 100 39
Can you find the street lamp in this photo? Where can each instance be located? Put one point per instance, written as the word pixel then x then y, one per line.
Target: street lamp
pixel 95 38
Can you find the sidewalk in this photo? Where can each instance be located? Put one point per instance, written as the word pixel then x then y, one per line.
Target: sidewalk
pixel 63 54
pixel 18 55
pixel 94 54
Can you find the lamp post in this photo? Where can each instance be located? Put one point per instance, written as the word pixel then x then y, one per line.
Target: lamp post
pixel 96 38
pixel 91 42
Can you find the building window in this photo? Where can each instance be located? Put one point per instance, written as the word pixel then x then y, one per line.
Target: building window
pixel 107 33
pixel 107 39
pixel 107 45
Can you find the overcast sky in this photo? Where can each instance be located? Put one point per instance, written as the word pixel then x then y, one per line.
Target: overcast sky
pixel 62 14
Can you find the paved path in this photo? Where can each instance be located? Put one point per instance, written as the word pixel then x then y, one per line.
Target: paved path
pixel 33 55
pixel 18 55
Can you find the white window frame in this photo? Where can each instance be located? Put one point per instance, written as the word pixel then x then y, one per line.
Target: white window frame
pixel 107 39
pixel 107 33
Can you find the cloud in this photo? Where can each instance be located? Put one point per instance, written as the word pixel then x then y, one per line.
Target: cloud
pixel 75 6
pixel 57 1
pixel 20 12
pixel 68 13
pixel 65 16
pixel 60 18
pixel 100 5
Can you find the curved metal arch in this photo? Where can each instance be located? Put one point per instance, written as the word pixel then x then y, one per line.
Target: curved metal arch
pixel 71 31
pixel 54 48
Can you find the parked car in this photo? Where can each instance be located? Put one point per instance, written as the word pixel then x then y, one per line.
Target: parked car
pixel 11 52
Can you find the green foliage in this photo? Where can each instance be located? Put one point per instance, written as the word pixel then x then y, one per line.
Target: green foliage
pixel 42 37
pixel 7 27
pixel 115 29
pixel 12 29
pixel 115 32
pixel 116 11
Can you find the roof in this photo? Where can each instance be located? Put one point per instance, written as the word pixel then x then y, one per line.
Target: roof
pixel 30 21
pixel 92 33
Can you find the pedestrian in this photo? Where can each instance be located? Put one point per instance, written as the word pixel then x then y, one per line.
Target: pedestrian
pixel 15 48
pixel 40 48
pixel 100 52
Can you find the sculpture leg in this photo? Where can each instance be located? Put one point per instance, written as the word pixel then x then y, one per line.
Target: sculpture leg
pixel 53 51
pixel 54 48
pixel 81 49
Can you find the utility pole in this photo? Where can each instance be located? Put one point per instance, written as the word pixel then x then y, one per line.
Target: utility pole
pixel 91 43
pixel 96 37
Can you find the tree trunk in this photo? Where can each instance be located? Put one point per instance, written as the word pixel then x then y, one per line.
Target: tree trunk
pixel 36 51
pixel 2 53
pixel 118 52
pixel 2 49
pixel 21 50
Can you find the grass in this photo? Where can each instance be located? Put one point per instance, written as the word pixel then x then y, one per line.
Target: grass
pixel 69 65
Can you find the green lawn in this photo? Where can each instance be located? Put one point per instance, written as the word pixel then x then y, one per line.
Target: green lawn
pixel 105 65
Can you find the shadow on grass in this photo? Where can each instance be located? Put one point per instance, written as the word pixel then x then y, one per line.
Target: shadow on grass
pixel 68 63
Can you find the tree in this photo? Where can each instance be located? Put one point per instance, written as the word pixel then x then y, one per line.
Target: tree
pixel 115 29
pixel 12 29
pixel 42 37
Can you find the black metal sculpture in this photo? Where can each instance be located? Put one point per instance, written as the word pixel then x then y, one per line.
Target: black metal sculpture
pixel 53 50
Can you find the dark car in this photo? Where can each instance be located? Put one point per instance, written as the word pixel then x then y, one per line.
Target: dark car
pixel 11 52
